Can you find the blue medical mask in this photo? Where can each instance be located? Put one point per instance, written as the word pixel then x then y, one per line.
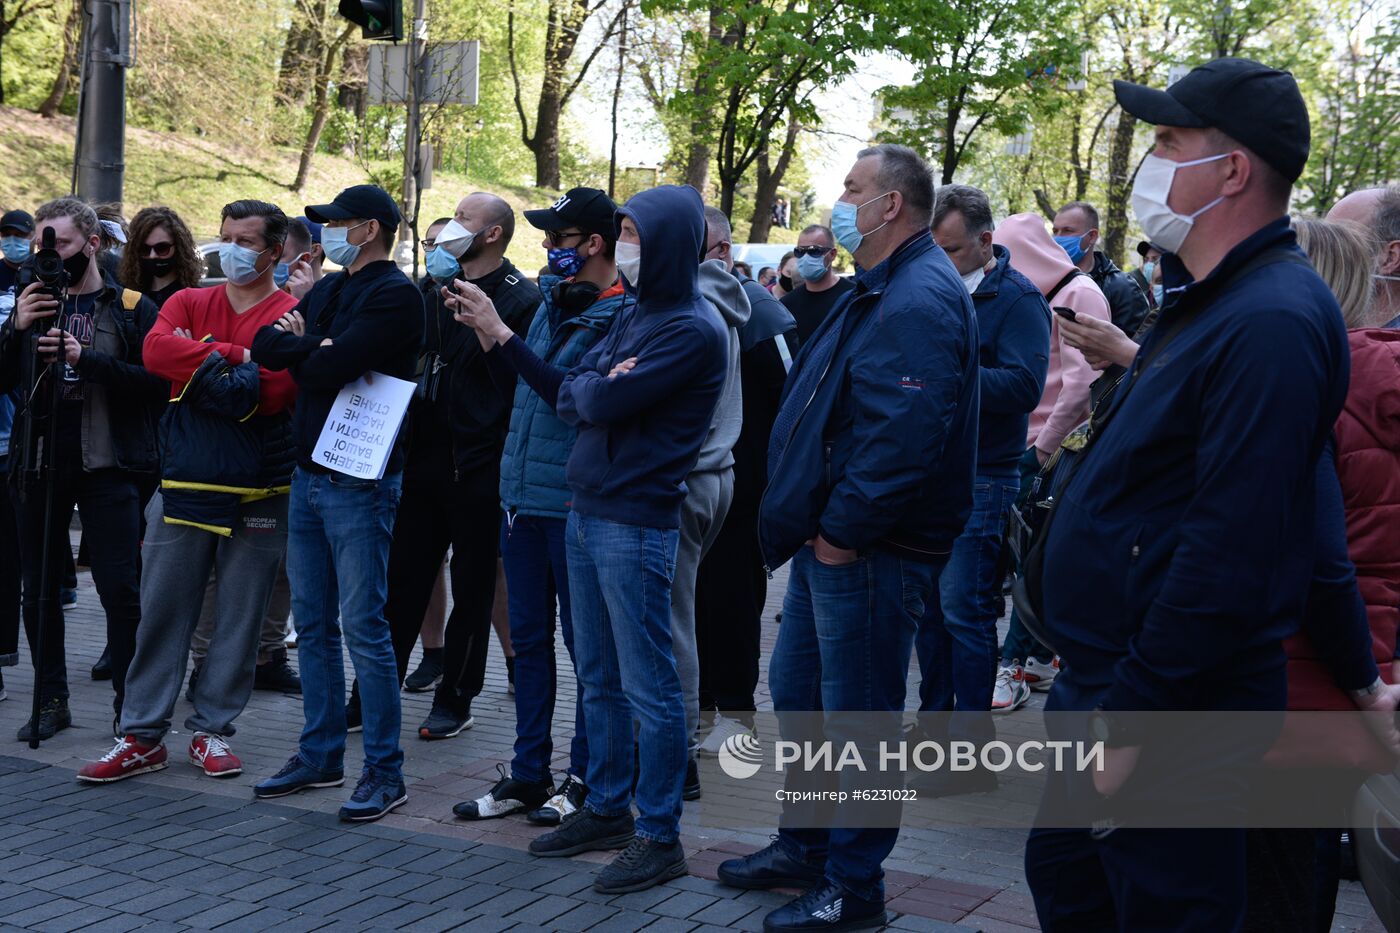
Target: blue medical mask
pixel 811 268
pixel 442 265
pixel 335 241
pixel 566 261
pixel 15 248
pixel 240 264
pixel 1147 269
pixel 280 273
pixel 1073 245
pixel 1158 293
pixel 843 223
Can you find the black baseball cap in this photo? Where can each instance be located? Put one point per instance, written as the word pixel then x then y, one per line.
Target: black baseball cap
pixel 358 202
pixel 1256 105
pixel 17 220
pixel 1145 246
pixel 589 209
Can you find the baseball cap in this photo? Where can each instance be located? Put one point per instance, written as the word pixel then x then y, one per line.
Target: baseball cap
pixel 17 220
pixel 589 209
pixel 358 202
pixel 1259 106
pixel 1144 246
pixel 314 227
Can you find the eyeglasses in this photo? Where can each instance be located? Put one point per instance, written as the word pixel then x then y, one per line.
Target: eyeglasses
pixel 812 250
pixel 428 244
pixel 557 237
pixel 158 250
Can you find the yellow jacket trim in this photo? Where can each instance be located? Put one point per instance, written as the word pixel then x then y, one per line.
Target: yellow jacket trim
pixel 246 493
pixel 226 532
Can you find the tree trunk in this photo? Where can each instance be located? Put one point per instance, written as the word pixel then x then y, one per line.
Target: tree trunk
pixel 300 53
pixel 546 142
pixel 697 162
pixel 321 106
pixel 68 61
pixel 1119 187
pixel 768 181
pixel 352 91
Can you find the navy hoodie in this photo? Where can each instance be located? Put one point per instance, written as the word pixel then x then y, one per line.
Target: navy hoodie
pixel 640 433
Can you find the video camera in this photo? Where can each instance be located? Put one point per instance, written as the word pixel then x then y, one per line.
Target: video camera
pixel 46 266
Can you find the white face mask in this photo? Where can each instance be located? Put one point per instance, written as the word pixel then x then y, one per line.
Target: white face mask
pixel 1151 190
pixel 974 279
pixel 629 260
pixel 454 238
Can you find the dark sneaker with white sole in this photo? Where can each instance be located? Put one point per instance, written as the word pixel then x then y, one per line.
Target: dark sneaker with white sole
pixel 643 864
pixel 428 674
pixel 770 867
pixel 567 799
pixel 377 793
pixel 443 723
pixel 296 776
pixel 585 831
pixel 828 906
pixel 507 797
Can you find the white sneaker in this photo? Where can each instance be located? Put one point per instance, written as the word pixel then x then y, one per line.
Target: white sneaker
pixel 723 730
pixel 1040 675
pixel 1011 691
pixel 291 639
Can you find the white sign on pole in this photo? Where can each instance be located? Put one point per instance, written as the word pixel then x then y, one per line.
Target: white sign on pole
pixel 388 73
pixel 359 433
pixel 449 73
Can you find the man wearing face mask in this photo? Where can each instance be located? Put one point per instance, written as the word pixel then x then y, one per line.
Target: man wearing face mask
pixel 1148 275
pixel 1076 229
pixel 16 228
pixel 226 470
pixel 104 440
pixel 817 289
pixel 1378 210
pixel 1218 549
pixel 365 319
pixel 453 468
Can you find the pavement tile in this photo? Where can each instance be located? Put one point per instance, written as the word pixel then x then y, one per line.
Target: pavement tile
pixel 187 906
pixel 116 923
pixel 49 908
pixel 671 925
pixel 683 904
pixel 226 912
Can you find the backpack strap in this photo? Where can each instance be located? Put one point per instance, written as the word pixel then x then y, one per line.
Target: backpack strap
pixel 1070 277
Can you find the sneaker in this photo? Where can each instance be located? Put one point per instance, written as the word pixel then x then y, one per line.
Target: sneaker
pixel 829 906
pixel 53 717
pixel 375 795
pixel 507 797
pixel 296 776
pixel 291 640
pixel 691 789
pixel 1040 675
pixel 442 723
pixel 645 863
pixel 510 675
pixel 429 672
pixel 724 729
pixel 567 799
pixel 354 718
pixel 194 679
pixel 585 831
pixel 68 598
pixel 127 758
pixel 277 675
pixel 212 753
pixel 1011 691
pixel 770 867
pixel 102 670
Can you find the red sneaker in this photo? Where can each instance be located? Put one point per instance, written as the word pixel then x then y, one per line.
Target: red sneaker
pixel 126 758
pixel 212 753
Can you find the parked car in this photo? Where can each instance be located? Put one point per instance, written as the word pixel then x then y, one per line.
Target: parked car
pixel 758 255
pixel 213 271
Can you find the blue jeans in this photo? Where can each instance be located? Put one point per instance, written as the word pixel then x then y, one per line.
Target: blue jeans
pixel 533 548
pixel 339 530
pixel 957 640
pixel 844 645
pixel 620 579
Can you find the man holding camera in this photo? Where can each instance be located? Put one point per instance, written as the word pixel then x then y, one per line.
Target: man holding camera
pixel 103 440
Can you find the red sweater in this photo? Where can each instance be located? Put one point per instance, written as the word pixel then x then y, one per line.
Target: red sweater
pixel 207 312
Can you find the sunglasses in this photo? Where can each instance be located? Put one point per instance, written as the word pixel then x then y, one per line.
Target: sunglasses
pixel 811 250
pixel 158 250
pixel 557 237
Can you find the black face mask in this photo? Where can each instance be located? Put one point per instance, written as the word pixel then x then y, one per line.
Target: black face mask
pixel 786 282
pixel 76 266
pixel 154 268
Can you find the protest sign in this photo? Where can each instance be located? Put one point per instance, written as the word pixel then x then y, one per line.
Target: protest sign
pixel 358 436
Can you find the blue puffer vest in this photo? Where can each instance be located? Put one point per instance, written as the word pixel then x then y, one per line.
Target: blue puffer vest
pixel 538 445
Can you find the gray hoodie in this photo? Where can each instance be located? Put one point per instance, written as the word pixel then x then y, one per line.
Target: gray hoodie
pixel 726 293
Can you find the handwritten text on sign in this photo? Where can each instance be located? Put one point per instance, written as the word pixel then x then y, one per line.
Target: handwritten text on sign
pixel 359 433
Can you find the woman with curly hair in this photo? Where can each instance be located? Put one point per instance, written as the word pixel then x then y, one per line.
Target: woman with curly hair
pixel 160 257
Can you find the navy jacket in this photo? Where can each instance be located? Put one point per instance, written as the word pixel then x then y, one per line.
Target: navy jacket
pixel 640 433
pixel 1181 552
pixel 1013 329
pixel 884 451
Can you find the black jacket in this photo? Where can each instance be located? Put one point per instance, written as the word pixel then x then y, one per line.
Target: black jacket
pixel 1126 302
pixel 375 321
pixel 464 428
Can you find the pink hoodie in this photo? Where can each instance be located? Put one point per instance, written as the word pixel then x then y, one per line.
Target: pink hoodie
pixel 1065 402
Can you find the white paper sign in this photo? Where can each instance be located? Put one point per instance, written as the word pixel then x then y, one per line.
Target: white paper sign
pixel 358 436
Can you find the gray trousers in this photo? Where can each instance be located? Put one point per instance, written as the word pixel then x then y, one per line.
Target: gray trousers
pixel 176 561
pixel 702 515
pixel 272 643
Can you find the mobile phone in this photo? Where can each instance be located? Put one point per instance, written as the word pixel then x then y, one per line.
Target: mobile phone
pixel 1066 313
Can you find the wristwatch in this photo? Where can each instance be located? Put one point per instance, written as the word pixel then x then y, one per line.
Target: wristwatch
pixel 1112 729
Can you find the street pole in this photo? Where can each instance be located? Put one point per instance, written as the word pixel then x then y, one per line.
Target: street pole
pixel 417 46
pixel 101 144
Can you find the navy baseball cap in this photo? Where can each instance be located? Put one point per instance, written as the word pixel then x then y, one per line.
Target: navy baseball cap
pixel 1258 106
pixel 314 227
pixel 17 220
pixel 358 202
pixel 589 209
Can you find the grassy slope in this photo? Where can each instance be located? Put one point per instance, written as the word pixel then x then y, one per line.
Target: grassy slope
pixel 197 177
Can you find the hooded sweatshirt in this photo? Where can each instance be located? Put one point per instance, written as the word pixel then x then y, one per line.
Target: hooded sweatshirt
pixel 1065 402
pixel 726 293
pixel 640 432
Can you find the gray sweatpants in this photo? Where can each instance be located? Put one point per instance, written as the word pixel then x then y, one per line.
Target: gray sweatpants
pixel 702 515
pixel 176 561
pixel 272 644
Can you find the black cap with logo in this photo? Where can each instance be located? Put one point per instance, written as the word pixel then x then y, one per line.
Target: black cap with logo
pixel 18 220
pixel 358 202
pixel 1257 106
pixel 589 209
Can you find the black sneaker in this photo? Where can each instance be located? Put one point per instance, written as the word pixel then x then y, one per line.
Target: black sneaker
pixel 102 670
pixel 643 864
pixel 828 906
pixel 443 723
pixel 194 679
pixel 429 672
pixel 53 716
pixel 507 797
pixel 354 719
pixel 375 795
pixel 585 831
pixel 277 675
pixel 691 790
pixel 567 799
pixel 770 867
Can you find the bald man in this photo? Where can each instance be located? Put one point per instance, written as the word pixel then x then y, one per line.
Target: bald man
pixel 456 431
pixel 1378 210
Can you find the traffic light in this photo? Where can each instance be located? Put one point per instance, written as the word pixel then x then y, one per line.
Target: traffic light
pixel 377 19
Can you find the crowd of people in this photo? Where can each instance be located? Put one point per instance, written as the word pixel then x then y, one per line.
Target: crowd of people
pixel 639 436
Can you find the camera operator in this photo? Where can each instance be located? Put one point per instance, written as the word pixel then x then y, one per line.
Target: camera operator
pixel 104 439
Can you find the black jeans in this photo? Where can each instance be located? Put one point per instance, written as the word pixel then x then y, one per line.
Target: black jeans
pixel 109 504
pixel 465 514
pixel 730 590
